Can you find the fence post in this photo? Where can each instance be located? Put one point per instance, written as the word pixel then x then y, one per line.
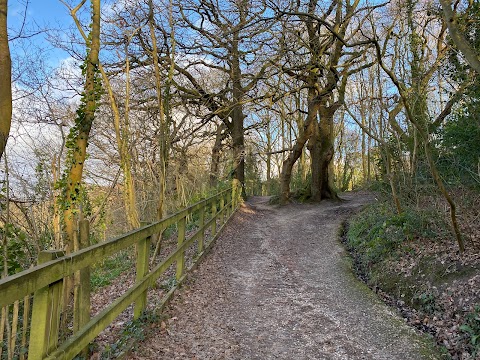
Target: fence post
pixel 227 207
pixel 222 214
pixel 214 215
pixel 81 296
pixel 45 313
pixel 235 194
pixel 181 257
pixel 202 229
pixel 143 257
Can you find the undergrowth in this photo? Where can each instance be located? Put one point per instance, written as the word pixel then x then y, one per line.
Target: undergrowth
pixel 471 328
pixel 379 231
pixel 133 332
pixel 109 269
pixel 411 260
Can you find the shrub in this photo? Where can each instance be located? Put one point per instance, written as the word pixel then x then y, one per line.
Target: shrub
pixel 471 328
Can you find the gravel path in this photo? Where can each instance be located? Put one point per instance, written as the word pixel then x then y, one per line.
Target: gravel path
pixel 278 285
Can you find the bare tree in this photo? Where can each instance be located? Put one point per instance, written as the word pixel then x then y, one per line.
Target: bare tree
pixel 78 138
pixel 325 34
pixel 458 38
pixel 421 125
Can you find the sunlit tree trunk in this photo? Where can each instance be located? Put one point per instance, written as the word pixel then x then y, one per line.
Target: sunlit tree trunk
pixel 5 79
pixel 124 149
pixel 82 128
pixel 122 135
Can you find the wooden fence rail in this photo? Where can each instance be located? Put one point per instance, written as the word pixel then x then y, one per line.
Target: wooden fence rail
pixel 46 279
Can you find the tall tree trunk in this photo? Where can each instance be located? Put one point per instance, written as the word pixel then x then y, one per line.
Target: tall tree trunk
pixel 303 136
pixel 391 179
pixel 122 134
pixel 163 136
pixel 56 220
pixel 365 166
pixel 216 154
pixel 369 158
pixel 269 159
pixel 130 200
pixel 5 79
pixel 238 141
pixel 238 118
pixel 321 146
pixel 86 115
pixel 302 165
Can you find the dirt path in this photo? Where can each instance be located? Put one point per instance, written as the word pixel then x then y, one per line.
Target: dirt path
pixel 278 285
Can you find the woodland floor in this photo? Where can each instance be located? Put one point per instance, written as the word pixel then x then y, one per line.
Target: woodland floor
pixel 278 285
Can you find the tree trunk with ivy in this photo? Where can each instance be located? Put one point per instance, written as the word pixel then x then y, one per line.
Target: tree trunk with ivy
pixel 5 79
pixel 78 138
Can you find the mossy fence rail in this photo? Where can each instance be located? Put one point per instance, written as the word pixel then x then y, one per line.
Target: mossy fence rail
pixel 46 280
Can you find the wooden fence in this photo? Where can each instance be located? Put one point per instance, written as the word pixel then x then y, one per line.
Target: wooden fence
pixel 46 280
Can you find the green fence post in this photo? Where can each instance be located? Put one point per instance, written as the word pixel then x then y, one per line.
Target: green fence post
pixel 222 213
pixel 81 296
pixel 143 257
pixel 235 193
pixel 45 313
pixel 227 208
pixel 181 257
pixel 214 217
pixel 202 229
pixel 82 283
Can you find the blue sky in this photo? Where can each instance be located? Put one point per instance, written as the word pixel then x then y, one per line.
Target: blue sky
pixel 35 15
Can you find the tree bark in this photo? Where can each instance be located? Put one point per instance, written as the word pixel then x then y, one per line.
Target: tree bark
pixel 163 136
pixel 84 124
pixel 303 136
pixel 238 118
pixel 122 134
pixel 269 159
pixel 321 149
pixel 5 79
pixel 460 41
pixel 216 153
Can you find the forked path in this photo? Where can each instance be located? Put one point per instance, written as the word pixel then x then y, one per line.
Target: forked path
pixel 278 285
